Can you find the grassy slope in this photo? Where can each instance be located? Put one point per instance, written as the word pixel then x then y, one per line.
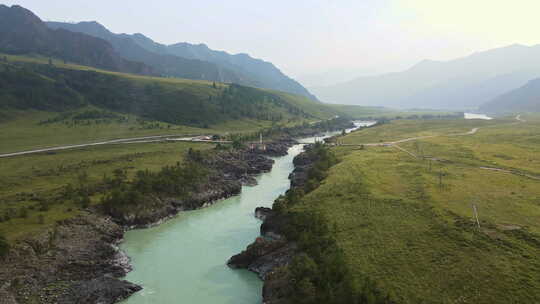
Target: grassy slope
pixel 196 87
pixel 21 130
pixel 321 110
pixel 417 239
pixel 187 83
pixel 42 175
pixel 402 129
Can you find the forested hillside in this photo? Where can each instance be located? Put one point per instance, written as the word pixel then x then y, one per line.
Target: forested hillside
pixel 22 32
pixel 34 86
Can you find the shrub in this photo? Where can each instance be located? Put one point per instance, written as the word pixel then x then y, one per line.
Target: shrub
pixel 23 213
pixel 43 206
pixel 4 246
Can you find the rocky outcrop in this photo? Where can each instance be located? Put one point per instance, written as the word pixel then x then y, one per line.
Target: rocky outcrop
pixel 269 252
pixel 263 256
pixel 76 261
pixel 104 290
pixel 278 147
pixel 302 164
pixel 159 209
pixel 236 164
pixel 263 212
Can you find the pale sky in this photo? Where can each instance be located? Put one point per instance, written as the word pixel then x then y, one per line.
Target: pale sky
pixel 305 37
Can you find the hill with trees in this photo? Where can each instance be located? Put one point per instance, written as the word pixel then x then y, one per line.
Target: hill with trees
pixel 60 88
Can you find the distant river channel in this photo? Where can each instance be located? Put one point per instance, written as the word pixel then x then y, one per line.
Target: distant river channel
pixel 477 116
pixel 184 259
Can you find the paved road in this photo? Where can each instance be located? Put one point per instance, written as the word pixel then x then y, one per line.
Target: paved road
pixel 134 140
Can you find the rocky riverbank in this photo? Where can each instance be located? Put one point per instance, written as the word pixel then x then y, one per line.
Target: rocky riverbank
pixel 78 261
pixel 272 251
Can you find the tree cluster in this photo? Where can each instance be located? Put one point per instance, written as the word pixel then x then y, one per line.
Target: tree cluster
pixel 179 180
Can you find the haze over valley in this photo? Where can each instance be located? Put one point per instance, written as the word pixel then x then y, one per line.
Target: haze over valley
pixel 359 152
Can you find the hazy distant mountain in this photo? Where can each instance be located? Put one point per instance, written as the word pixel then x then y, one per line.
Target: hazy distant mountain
pixel 457 84
pixel 22 32
pixel 166 65
pixel 333 76
pixel 523 99
pixel 262 72
pixel 192 61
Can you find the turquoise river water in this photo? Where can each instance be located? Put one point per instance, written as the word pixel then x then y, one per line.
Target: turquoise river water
pixel 184 259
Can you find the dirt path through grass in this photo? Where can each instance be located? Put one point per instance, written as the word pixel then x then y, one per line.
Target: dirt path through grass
pixel 471 132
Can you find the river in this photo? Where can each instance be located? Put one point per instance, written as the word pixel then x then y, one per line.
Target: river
pixel 184 259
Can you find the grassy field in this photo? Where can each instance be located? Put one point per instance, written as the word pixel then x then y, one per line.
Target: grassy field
pixel 366 112
pixel 25 181
pixel 24 132
pixel 408 223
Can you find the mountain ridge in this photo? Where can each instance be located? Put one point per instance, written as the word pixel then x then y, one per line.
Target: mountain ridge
pixel 459 79
pixel 522 99
pixel 238 68
pixel 166 65
pixel 22 32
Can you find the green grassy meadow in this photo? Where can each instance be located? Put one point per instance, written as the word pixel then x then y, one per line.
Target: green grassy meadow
pixel 408 223
pixel 23 131
pixel 28 180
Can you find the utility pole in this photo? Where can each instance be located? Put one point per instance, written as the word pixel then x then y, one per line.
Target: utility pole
pixel 476 215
